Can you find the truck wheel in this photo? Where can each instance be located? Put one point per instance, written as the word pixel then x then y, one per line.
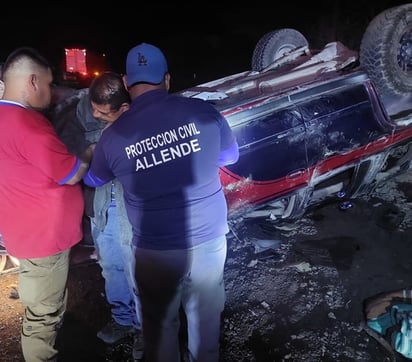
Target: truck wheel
pixel 274 44
pixel 386 50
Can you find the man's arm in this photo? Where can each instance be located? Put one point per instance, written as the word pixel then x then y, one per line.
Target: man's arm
pixel 93 181
pixel 83 165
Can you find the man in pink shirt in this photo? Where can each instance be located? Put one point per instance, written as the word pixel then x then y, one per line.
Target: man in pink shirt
pixel 41 201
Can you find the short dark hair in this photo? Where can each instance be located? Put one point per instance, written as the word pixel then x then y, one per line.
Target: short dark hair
pixel 108 88
pixel 25 53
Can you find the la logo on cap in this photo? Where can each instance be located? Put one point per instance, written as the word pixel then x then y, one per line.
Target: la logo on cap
pixel 141 60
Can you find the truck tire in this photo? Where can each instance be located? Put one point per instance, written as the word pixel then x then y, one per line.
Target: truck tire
pixel 386 50
pixel 274 44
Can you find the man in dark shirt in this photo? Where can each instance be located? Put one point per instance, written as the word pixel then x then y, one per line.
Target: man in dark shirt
pixel 166 152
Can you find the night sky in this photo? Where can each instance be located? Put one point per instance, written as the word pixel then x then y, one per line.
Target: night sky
pixel 201 41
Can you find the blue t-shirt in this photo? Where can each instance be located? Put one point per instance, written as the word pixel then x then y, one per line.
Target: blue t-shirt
pixel 165 152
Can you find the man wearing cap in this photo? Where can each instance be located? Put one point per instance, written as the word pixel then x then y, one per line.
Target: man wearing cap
pixel 166 152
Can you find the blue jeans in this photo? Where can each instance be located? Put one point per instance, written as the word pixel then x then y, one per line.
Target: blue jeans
pixel 192 278
pixel 117 262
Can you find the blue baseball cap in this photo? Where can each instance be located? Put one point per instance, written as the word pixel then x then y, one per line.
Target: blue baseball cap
pixel 145 63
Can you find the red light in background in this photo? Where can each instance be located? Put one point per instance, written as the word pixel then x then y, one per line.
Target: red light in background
pixel 76 60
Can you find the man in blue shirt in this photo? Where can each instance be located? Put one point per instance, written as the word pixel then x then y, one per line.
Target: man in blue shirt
pixel 166 151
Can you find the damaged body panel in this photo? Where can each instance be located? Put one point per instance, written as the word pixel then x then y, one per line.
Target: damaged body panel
pixel 318 143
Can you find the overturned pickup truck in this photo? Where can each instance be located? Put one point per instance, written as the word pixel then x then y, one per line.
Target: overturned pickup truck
pixel 314 126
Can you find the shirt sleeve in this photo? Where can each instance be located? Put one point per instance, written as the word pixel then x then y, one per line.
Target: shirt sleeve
pixel 229 149
pixel 92 180
pixel 229 155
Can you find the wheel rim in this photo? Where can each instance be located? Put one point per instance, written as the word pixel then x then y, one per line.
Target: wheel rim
pixel 404 57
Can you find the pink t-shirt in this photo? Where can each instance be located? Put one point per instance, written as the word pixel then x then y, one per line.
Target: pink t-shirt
pixel 38 216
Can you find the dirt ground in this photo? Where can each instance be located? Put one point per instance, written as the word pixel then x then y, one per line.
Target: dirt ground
pixel 295 292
